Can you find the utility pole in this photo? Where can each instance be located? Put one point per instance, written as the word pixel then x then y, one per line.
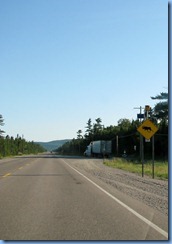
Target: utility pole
pixel 117 145
pixel 140 117
pixel 147 109
pixel 140 109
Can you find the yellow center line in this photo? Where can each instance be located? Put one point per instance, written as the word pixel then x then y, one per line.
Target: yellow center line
pixel 6 175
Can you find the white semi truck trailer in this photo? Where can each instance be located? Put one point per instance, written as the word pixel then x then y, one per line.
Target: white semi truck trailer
pixel 99 149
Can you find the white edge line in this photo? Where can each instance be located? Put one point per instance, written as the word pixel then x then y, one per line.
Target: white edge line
pixel 164 233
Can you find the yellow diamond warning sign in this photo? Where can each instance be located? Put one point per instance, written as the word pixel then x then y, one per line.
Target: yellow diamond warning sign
pixel 147 129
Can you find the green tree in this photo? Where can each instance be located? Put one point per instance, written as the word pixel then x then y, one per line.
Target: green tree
pixel 79 137
pixel 89 130
pixel 1 124
pixel 160 111
pixel 79 134
pixel 97 129
pixel 124 125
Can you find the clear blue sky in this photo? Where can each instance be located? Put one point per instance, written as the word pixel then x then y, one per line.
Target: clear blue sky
pixel 65 61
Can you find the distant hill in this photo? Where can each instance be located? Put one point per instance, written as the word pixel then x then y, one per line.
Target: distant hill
pixel 52 145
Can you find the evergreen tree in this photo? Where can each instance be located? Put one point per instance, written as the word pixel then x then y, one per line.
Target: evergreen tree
pixel 97 129
pixel 1 124
pixel 79 136
pixel 89 130
pixel 160 111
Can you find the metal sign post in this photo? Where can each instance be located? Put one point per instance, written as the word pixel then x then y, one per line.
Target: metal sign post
pixel 153 155
pixel 147 129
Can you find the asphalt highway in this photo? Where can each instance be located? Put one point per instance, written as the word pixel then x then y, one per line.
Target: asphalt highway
pixel 45 198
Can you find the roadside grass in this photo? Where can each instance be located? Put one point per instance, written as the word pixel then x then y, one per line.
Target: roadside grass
pixel 160 168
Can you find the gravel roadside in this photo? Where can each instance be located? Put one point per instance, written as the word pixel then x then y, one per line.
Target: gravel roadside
pixel 152 192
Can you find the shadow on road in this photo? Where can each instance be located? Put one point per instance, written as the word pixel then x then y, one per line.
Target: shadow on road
pixel 50 155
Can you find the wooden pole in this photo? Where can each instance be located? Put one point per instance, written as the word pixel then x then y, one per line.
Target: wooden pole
pixel 142 149
pixel 117 145
pixel 153 156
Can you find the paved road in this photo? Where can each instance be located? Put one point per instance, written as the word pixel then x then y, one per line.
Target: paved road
pixel 45 198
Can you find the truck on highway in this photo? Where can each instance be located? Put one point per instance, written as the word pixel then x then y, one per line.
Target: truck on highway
pixel 99 149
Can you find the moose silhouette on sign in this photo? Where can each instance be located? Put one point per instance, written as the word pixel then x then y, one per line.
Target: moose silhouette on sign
pixel 147 128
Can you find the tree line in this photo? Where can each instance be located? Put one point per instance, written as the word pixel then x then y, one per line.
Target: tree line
pixel 10 146
pixel 124 133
